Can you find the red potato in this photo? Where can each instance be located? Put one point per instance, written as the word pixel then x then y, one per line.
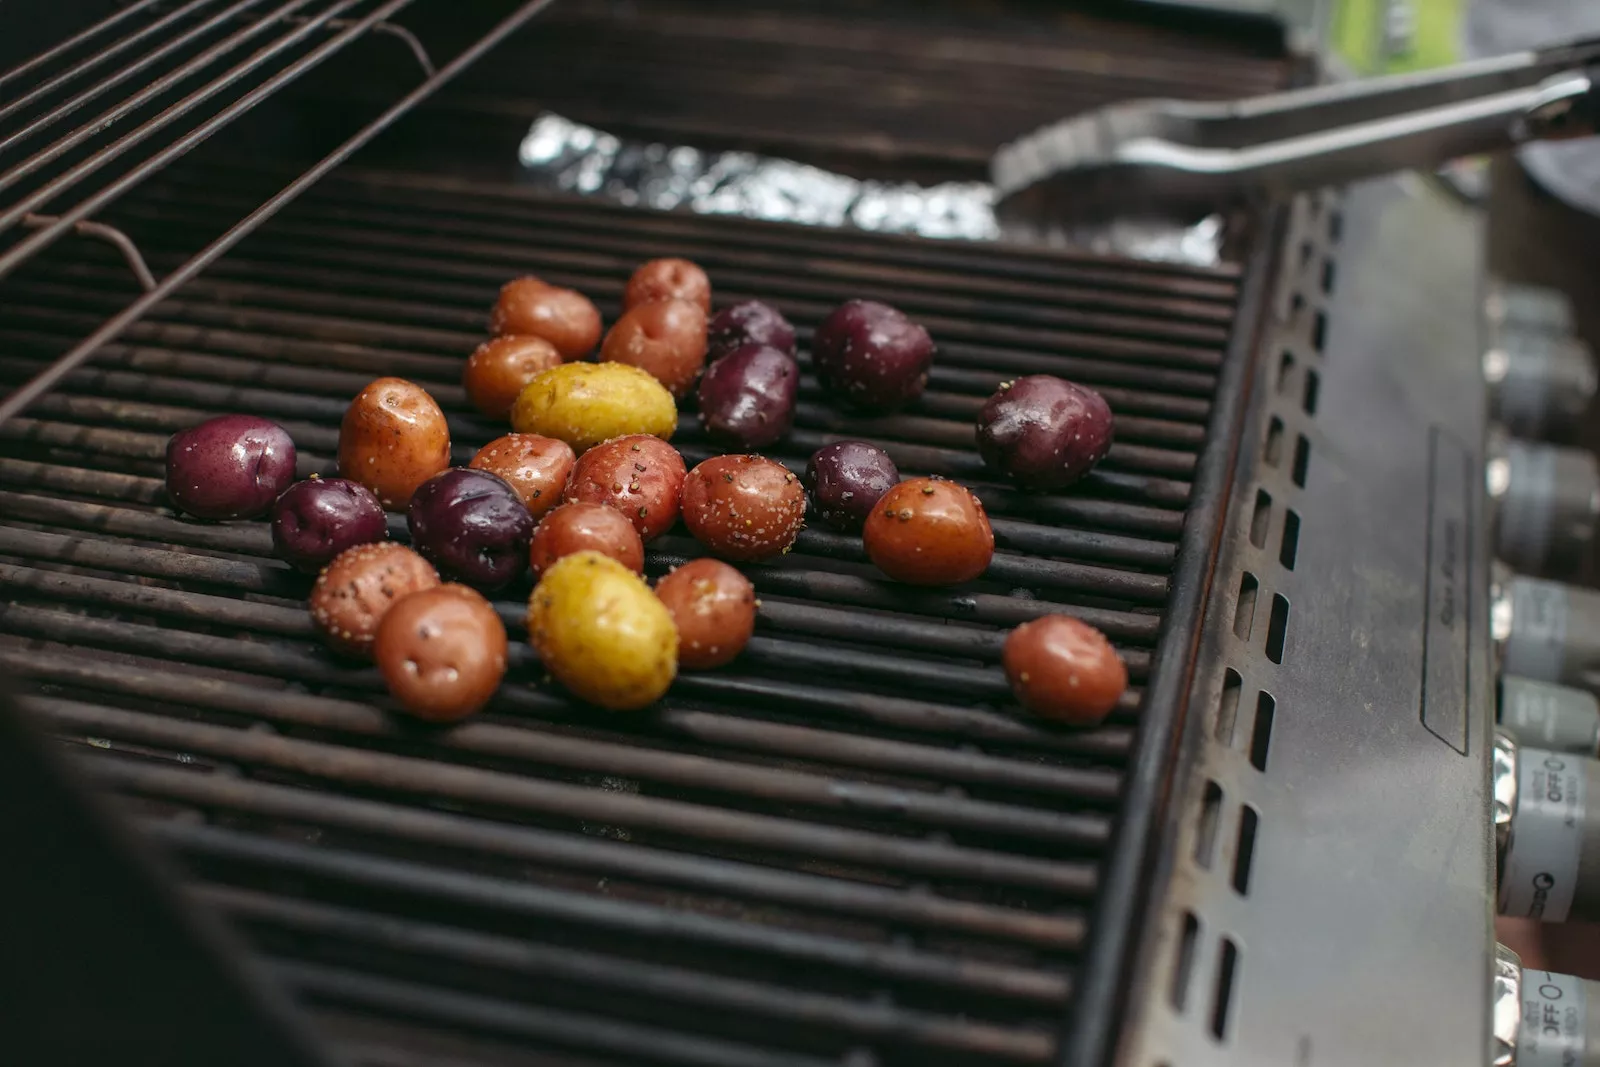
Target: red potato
pixel 1062 668
pixel 353 592
pixel 639 475
pixel 666 339
pixel 714 609
pixel 927 531
pixel 564 317
pixel 668 279
pixel 744 507
pixel 442 652
pixel 584 527
pixel 393 438
pixel 500 368
pixel 537 467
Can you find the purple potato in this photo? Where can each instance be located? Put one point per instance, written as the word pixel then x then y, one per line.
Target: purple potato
pixel 846 479
pixel 315 520
pixel 229 467
pixel 872 355
pixel 1044 432
pixel 747 397
pixel 471 525
pixel 748 323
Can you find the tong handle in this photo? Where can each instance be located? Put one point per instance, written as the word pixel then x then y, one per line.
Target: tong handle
pixel 1321 108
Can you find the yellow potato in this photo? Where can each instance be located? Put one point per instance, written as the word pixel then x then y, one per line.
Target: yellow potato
pixel 602 633
pixel 586 403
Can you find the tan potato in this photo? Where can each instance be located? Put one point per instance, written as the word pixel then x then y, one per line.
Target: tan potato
pixel 586 403
pixel 602 633
pixel 393 438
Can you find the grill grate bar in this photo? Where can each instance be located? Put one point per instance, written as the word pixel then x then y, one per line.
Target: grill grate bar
pixel 75 175
pixel 56 51
pixel 640 1044
pixel 500 739
pixel 1161 418
pixel 111 51
pixel 255 541
pixel 855 253
pixel 526 900
pixel 283 660
pixel 590 261
pixel 721 775
pixel 31 391
pixel 771 886
pixel 613 977
pixel 328 762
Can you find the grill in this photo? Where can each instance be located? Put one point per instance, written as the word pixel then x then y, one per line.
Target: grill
pixel 846 848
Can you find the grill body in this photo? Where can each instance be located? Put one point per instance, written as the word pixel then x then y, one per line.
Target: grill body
pixel 849 847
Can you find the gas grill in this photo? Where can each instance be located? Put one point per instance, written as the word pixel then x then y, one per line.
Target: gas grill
pixel 848 847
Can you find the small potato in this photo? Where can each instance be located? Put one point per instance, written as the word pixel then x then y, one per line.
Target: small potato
pixel 639 475
pixel 749 322
pixel 1044 432
pixel 229 467
pixel 498 369
pixel 668 279
pixel 584 527
pixel 564 317
pixel 602 633
pixel 442 652
pixel 714 608
pixel 747 397
pixel 393 438
pixel 471 525
pixel 846 480
pixel 743 507
pixel 871 355
pixel 666 338
pixel 353 592
pixel 584 404
pixel 317 519
pixel 536 467
pixel 927 531
pixel 1063 668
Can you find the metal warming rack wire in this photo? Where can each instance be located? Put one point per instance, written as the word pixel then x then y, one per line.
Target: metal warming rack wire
pixel 847 849
pixel 85 161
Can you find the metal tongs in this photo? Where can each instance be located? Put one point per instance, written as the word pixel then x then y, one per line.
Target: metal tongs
pixel 1174 158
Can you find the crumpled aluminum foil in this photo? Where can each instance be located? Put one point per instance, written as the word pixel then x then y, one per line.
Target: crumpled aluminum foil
pixel 565 155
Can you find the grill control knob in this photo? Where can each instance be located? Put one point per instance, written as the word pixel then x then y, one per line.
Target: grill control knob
pixel 1542 1018
pixel 1540 386
pixel 1546 631
pixel 1547 832
pixel 1545 503
pixel 1526 307
pixel 1546 715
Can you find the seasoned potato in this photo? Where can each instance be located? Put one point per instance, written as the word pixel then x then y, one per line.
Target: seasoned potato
pixel 393 438
pixel 586 403
pixel 602 633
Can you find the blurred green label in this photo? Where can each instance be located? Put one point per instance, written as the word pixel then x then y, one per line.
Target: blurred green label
pixel 1390 36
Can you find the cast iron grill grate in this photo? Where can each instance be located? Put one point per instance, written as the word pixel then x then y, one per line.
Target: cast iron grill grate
pixel 846 848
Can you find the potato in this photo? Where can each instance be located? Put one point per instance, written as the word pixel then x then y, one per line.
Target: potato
pixel 602 633
pixel 586 403
pixel 393 438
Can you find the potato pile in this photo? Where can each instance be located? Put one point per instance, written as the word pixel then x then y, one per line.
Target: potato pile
pixel 587 478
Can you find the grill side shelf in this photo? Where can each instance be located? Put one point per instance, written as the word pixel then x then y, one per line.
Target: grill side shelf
pixel 1330 856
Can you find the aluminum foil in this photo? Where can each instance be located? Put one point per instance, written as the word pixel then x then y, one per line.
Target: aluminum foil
pixel 565 155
